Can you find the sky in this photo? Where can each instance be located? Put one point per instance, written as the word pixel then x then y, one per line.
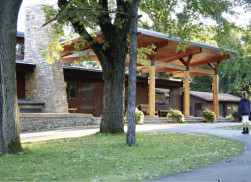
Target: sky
pixel 240 20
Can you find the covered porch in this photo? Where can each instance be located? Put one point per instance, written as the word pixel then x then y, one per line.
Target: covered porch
pixel 167 59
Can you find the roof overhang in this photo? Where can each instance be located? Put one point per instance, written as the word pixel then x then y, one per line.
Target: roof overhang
pixel 167 59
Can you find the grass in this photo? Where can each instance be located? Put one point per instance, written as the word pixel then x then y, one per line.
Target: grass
pixel 235 127
pixel 106 157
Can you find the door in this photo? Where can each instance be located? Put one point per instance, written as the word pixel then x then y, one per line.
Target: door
pixel 222 109
pixel 88 98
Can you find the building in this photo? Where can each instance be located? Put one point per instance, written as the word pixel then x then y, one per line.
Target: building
pixel 58 88
pixel 54 88
pixel 201 100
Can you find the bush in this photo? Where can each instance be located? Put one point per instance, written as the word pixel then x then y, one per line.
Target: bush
pixel 235 115
pixel 139 116
pixel 208 114
pixel 174 113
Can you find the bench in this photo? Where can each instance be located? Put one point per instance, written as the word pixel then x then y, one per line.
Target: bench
pixel 145 109
pixel 72 110
pixel 162 109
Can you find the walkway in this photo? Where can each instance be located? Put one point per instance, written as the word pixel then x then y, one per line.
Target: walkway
pixel 234 169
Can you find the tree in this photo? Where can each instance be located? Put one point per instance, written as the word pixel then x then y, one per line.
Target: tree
pixel 132 76
pixel 204 21
pixel 9 124
pixel 113 18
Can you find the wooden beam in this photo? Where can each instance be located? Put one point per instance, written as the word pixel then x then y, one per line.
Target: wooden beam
pixel 152 90
pixel 186 94
pixel 158 45
pixel 160 70
pixel 190 74
pixel 183 61
pixel 178 55
pixel 182 68
pixel 210 60
pixel 68 49
pixel 215 95
pixel 72 59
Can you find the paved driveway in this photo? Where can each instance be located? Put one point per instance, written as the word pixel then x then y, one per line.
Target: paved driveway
pixel 234 169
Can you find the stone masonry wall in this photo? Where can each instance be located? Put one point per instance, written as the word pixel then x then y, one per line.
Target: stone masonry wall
pixel 46 83
pixel 44 121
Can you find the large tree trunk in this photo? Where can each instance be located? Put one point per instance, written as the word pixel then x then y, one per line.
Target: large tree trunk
pixel 131 138
pixel 9 125
pixel 113 108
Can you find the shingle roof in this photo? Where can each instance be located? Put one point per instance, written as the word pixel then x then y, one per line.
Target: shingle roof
pixel 209 96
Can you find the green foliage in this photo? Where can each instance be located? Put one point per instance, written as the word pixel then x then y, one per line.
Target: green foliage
pixel 176 114
pixel 139 116
pixel 156 154
pixel 235 114
pixel 186 19
pixel 208 114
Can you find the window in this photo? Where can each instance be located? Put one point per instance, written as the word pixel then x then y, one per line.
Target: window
pixel 20 49
pixel 72 89
pixel 198 106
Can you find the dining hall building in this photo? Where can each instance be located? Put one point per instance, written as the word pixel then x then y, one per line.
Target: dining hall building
pixel 62 88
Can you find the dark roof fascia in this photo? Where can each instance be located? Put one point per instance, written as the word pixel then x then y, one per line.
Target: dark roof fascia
pixel 20 34
pixel 140 78
pixel 29 102
pixel 24 66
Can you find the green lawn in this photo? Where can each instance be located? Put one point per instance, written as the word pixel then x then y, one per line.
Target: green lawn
pixel 236 127
pixel 107 157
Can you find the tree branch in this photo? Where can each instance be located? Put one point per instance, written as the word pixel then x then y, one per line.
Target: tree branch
pixel 93 9
pixel 58 14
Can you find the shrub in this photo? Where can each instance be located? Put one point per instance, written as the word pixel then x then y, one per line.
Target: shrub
pixel 139 116
pixel 208 114
pixel 174 113
pixel 234 115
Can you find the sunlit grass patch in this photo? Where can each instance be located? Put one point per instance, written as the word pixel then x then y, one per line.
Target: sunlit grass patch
pixel 107 157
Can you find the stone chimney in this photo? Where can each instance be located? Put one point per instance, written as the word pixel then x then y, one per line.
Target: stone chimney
pixel 46 83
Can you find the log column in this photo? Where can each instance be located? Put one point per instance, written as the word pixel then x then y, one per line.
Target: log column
pixel 215 95
pixel 152 89
pixel 186 94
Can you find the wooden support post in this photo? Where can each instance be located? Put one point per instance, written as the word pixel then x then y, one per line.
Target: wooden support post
pixel 215 95
pixel 152 89
pixel 186 94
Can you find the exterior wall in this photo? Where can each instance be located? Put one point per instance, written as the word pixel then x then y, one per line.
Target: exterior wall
pixel 98 99
pixel 44 121
pixel 193 101
pixel 77 102
pixel 46 83
pixel 229 106
pixel 176 100
pixel 141 94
